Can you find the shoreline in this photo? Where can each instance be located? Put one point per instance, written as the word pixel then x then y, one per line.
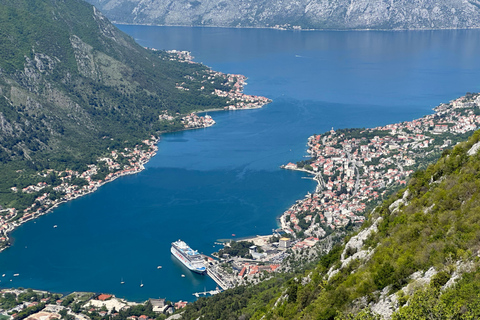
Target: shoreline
pixel 261 240
pixel 243 102
pixel 355 167
pixel 57 204
pixel 292 29
pixel 225 109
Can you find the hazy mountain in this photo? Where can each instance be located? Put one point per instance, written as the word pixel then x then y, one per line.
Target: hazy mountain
pixel 316 14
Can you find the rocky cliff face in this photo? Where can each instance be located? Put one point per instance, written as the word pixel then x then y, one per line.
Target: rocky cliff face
pixel 308 14
pixel 69 80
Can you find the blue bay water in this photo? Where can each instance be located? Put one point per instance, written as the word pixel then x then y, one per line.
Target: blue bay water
pixel 208 184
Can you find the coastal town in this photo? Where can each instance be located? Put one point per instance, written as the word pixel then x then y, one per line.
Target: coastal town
pixel 354 169
pixel 237 100
pixel 357 168
pixel 31 304
pixel 71 184
pixel 261 256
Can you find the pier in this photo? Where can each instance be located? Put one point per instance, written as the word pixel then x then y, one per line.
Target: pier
pixel 211 292
pixel 216 277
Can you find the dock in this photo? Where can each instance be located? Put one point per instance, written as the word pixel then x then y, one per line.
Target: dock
pixel 211 292
pixel 215 277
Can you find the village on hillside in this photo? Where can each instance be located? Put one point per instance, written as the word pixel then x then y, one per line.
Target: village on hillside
pixel 117 163
pixel 354 169
pixel 358 167
pixel 31 304
pixel 237 99
pixel 73 184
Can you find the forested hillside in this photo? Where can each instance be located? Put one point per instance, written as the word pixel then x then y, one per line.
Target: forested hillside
pixel 417 257
pixel 73 87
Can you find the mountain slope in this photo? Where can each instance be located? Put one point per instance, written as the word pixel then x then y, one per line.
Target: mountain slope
pixel 308 14
pixel 417 257
pixel 73 87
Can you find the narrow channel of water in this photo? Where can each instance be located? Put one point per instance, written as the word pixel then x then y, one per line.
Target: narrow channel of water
pixel 208 184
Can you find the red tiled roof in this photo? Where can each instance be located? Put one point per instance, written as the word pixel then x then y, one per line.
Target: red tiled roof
pixel 104 297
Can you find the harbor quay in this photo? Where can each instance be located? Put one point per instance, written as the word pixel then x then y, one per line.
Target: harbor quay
pixel 217 277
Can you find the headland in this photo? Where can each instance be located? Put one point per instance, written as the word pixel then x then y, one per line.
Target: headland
pixel 70 184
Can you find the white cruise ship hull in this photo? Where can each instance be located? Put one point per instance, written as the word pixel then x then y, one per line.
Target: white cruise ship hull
pixel 186 262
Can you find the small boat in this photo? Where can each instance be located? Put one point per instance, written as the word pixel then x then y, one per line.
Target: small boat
pixel 233 234
pixel 121 281
pixel 183 276
pixel 16 274
pixel 159 267
pixel 141 284
pixel 55 226
pixel 3 275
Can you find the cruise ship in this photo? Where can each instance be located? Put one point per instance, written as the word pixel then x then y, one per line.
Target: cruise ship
pixel 189 257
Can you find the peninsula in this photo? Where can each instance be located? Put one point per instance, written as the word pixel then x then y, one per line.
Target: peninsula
pixel 415 257
pixel 55 187
pixel 356 170
pixel 91 107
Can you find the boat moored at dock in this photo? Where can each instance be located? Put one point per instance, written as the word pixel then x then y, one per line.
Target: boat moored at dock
pixel 189 257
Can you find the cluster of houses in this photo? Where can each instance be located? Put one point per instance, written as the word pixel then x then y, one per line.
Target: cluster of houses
pixel 353 170
pixel 135 157
pixel 105 305
pixel 253 269
pixel 241 100
pixel 178 55
pixel 238 99
pixel 5 227
pixel 193 121
pixel 265 257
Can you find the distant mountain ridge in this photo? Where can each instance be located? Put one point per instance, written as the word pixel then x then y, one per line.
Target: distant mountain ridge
pixel 307 14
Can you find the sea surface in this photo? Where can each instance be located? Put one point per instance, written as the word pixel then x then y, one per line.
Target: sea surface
pixel 208 184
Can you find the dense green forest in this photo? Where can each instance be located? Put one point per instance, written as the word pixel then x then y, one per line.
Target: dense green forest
pixel 72 87
pixel 418 259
